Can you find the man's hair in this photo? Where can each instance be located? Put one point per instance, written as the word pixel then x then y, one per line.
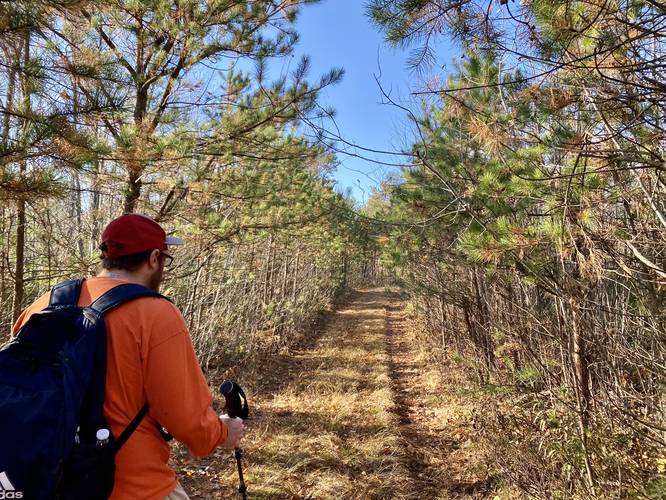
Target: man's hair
pixel 126 262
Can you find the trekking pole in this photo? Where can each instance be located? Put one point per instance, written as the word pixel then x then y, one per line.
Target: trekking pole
pixel 236 406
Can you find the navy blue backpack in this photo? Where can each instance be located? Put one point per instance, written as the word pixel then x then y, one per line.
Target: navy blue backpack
pixel 52 379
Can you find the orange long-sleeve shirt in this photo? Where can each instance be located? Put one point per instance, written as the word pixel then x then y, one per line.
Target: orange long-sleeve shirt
pixel 149 358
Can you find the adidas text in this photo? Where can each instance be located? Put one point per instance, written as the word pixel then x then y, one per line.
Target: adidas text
pixel 7 490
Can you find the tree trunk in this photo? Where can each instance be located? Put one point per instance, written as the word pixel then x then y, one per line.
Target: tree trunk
pixel 133 192
pixel 442 319
pixel 21 203
pixel 582 388
pixel 95 204
pixel 78 211
pixel 5 278
pixel 20 255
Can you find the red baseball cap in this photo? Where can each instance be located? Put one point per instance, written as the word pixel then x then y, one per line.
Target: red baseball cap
pixel 134 233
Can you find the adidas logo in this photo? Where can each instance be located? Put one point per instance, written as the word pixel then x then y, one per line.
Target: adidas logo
pixel 7 490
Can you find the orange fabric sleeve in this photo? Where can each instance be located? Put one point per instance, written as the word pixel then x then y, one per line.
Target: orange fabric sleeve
pixel 176 389
pixel 41 303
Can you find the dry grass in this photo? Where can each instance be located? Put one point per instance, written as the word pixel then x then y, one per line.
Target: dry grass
pixel 357 413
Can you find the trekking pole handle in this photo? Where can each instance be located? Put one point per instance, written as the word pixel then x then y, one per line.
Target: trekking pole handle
pixel 235 400
pixel 236 407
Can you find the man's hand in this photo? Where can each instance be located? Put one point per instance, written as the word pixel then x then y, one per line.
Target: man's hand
pixel 235 429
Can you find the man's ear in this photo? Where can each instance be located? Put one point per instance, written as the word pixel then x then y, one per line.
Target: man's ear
pixel 154 259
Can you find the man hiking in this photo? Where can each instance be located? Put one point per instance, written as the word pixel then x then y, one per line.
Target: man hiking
pixel 150 358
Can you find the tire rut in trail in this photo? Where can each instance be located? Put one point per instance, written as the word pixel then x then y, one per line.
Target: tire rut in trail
pixel 402 371
pixel 440 464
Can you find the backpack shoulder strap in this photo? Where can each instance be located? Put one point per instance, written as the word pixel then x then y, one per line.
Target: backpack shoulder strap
pixel 122 293
pixel 113 298
pixel 66 293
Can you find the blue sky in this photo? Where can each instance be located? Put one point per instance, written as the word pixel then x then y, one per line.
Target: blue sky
pixel 336 33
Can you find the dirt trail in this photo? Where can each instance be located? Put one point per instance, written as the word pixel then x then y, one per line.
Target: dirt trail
pixel 353 414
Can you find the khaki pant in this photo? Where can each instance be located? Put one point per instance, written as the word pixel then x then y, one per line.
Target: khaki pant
pixel 177 494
